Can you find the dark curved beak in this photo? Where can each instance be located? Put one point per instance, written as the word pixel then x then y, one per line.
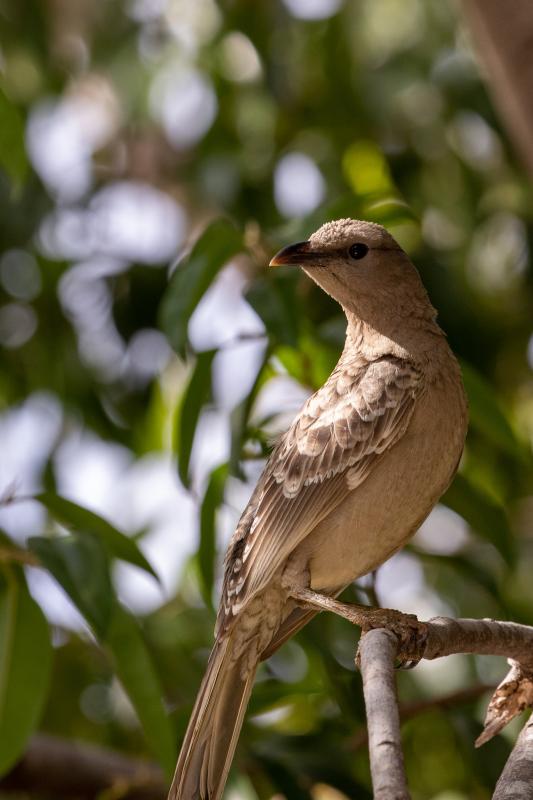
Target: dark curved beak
pixel 295 254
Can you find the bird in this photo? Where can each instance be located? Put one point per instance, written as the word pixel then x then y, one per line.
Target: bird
pixel 359 469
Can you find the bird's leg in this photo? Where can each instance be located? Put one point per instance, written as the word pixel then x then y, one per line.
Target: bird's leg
pixel 410 632
pixel 353 612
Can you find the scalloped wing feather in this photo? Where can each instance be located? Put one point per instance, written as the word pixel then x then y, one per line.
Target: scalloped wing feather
pixel 360 412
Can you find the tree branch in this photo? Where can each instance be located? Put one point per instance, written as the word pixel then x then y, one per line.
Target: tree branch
pixel 403 637
pixel 75 770
pixel 70 768
pixel 438 637
pixel 516 779
pixel 66 769
pixel 447 636
pixel 410 710
pixel 377 652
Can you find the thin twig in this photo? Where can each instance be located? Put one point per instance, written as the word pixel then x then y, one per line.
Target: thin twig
pixel 10 555
pixel 516 780
pixel 377 652
pixel 410 710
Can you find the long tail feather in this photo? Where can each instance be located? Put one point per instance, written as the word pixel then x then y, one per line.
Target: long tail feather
pixel 213 730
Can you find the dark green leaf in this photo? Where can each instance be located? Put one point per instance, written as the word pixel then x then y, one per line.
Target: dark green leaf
pixel 12 151
pixel 193 276
pixel 196 394
pixel 240 416
pixel 485 516
pixel 389 211
pixel 84 521
pixel 485 412
pixel 137 674
pixel 283 779
pixel 274 299
pixel 25 665
pixel 207 548
pixel 467 566
pixel 310 363
pixel 80 565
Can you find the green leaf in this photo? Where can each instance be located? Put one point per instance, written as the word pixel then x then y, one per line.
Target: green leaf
pixel 193 276
pixel 25 665
pixel 80 565
pixel 83 521
pixel 466 565
pixel 390 211
pixel 240 416
pixel 137 674
pixel 12 151
pixel 196 394
pixel 486 415
pixel 310 363
pixel 207 548
pixel 485 516
pixel 274 299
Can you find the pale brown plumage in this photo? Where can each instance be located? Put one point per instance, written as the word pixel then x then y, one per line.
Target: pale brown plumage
pixel 357 472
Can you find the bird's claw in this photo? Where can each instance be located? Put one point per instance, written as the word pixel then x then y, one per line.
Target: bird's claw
pixel 409 631
pixel 407 628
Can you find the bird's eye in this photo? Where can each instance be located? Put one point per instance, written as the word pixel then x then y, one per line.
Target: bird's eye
pixel 358 251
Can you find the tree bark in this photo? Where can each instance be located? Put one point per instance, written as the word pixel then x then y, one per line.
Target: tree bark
pixel 503 35
pixel 516 780
pixel 377 652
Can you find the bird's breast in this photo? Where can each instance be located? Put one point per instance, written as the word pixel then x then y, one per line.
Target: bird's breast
pixel 404 484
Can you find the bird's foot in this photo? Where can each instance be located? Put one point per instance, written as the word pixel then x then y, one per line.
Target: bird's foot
pixel 410 632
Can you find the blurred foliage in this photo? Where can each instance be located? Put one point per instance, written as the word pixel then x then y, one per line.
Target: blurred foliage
pixel 132 127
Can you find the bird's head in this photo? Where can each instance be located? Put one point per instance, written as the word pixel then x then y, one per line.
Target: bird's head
pixel 362 267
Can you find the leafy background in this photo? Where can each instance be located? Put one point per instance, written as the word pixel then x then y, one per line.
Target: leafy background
pixel 153 155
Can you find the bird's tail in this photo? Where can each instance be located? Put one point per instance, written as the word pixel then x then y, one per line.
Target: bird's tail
pixel 214 726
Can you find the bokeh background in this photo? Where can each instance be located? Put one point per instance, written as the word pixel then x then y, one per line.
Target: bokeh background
pixel 143 382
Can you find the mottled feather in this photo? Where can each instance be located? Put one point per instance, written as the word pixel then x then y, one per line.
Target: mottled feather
pixel 360 412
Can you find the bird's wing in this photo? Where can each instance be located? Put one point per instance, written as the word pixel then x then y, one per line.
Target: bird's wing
pixel 328 451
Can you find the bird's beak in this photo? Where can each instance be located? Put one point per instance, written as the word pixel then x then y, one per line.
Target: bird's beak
pixel 299 253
